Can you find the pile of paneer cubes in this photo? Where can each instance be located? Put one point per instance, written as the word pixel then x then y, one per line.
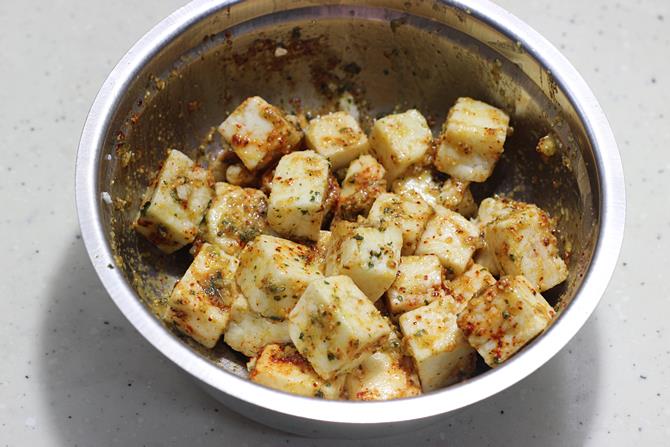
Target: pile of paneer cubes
pixel 359 266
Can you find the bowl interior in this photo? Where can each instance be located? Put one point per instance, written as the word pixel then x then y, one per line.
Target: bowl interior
pixel 390 58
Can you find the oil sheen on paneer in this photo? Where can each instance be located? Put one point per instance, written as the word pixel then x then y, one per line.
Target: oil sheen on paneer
pixel 468 284
pixel 424 183
pixel 368 255
pixel 175 203
pixel 409 214
pixel 235 217
pixel 283 368
pixel 472 140
pixel 452 238
pixel 440 351
pixel 259 133
pixel 386 374
pixel 299 188
pixel 336 327
pixel 338 137
pixel 273 274
pixel 418 283
pixel 400 140
pixel 200 302
pixel 364 182
pixel 523 243
pixel 456 195
pixel 504 317
pixel 248 332
pixel 321 249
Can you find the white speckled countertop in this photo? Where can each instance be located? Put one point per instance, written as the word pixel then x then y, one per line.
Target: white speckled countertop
pixel 74 373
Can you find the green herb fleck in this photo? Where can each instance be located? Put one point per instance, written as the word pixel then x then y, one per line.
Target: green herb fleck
pixel 301 336
pixel 420 333
pixel 358 237
pixel 505 315
pixel 331 356
pixel 318 393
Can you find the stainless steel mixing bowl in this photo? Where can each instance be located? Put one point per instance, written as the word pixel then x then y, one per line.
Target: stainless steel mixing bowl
pixel 186 74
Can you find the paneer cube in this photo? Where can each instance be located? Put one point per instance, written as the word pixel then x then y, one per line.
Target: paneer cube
pixel 273 274
pixel 248 332
pixel 418 283
pixel 175 203
pixel 259 133
pixel 338 137
pixel 199 305
pixel 475 279
pixel 283 368
pixel 235 217
pixel 370 256
pixel 299 188
pixel 524 244
pixel 472 140
pixel 364 182
pixel 335 326
pixel 440 351
pixel 398 141
pixel 409 214
pixel 386 374
pixel 456 195
pixel 504 317
pixel 452 238
pixel 424 184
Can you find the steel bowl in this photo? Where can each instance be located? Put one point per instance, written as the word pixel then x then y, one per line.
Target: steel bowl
pixel 187 73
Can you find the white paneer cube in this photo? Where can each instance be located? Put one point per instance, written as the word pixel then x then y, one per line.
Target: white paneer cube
pixel 235 217
pixel 386 374
pixel 338 137
pixel 409 214
pixel 248 332
pixel 283 368
pixel 504 317
pixel 273 274
pixel 456 195
pixel 524 244
pixel 199 305
pixel 259 133
pixel 335 326
pixel 462 288
pixel 299 188
pixel 364 182
pixel 370 256
pixel 418 283
pixel 424 184
pixel 472 140
pixel 452 238
pixel 440 351
pixel 175 203
pixel 398 141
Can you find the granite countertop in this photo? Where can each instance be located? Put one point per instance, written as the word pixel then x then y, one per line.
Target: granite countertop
pixel 74 372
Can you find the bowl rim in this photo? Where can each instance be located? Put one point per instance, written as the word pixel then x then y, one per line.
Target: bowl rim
pixel 606 251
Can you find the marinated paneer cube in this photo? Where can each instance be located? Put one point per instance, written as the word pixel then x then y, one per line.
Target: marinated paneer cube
pixel 524 244
pixel 492 208
pixel 299 188
pixel 409 214
pixel 368 255
pixel 338 137
pixel 259 133
pixel 456 195
pixel 475 279
pixel 364 182
pixel 283 368
pixel 440 351
pixel 472 140
pixel 235 217
pixel 424 184
pixel 248 332
pixel 335 326
pixel 418 283
pixel 398 141
pixel 175 203
pixel 504 317
pixel 273 274
pixel 386 374
pixel 200 302
pixel 452 238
